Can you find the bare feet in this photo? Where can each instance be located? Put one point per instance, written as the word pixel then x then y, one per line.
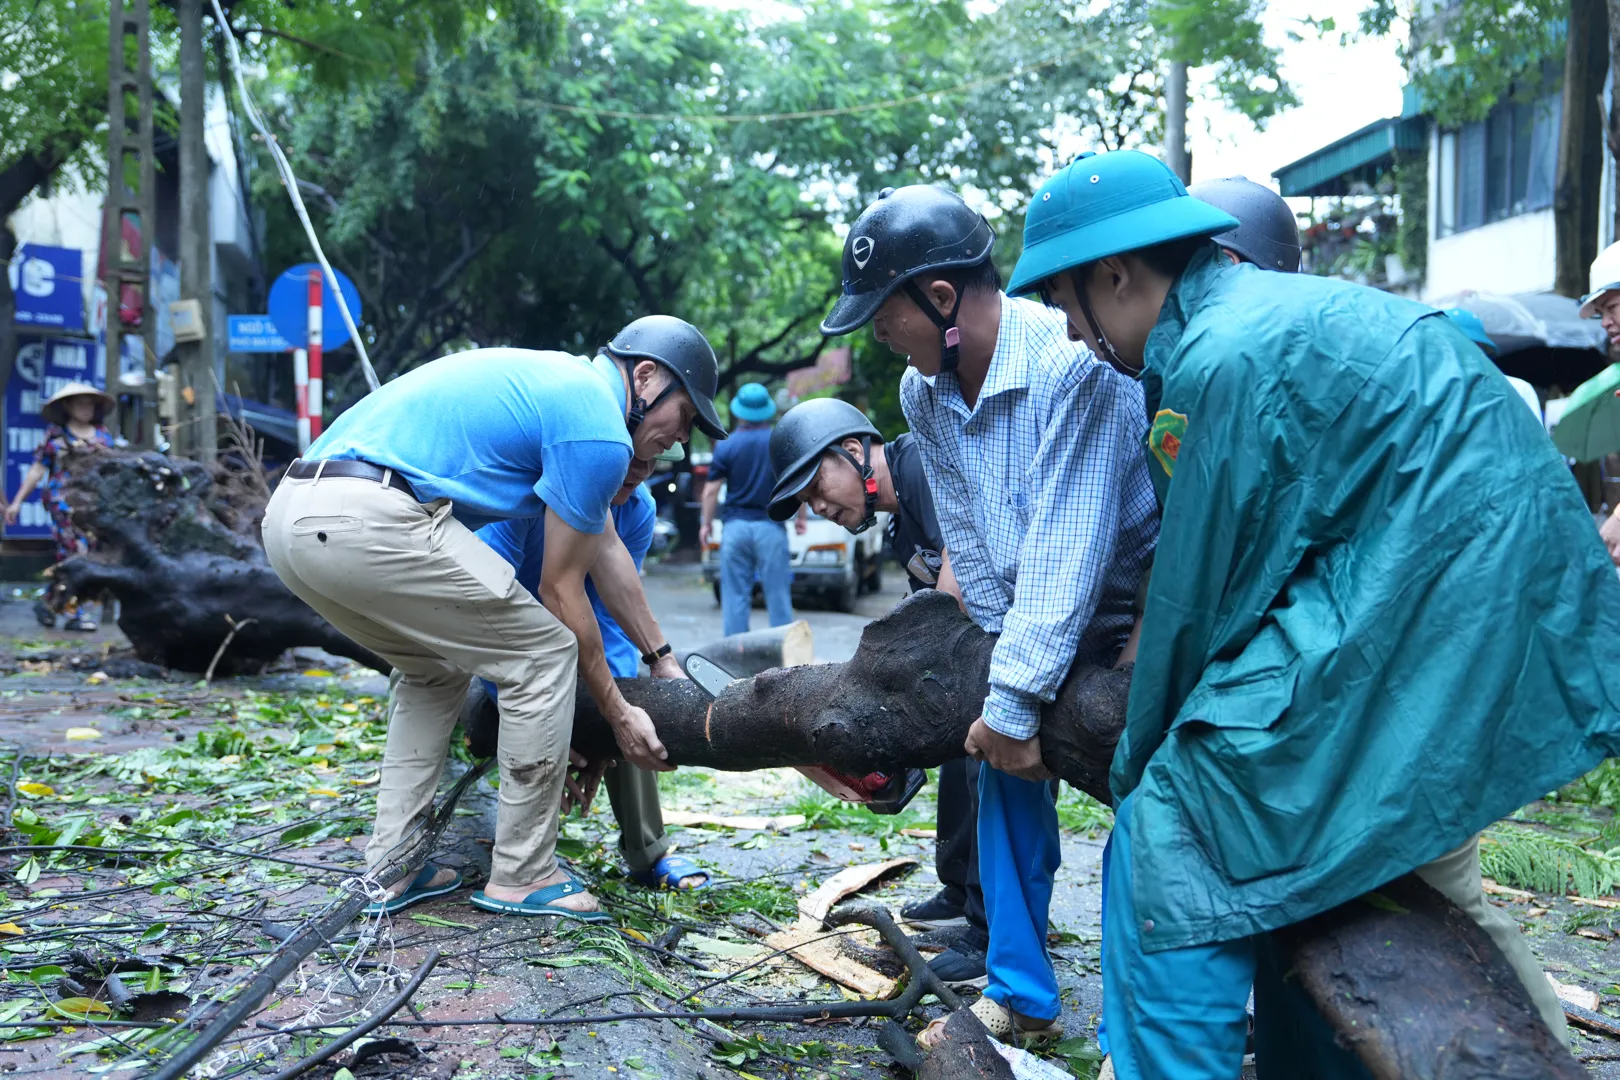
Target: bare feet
pixel 582 901
pixel 443 877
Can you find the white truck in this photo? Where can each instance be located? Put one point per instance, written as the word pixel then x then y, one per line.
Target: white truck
pixel 828 562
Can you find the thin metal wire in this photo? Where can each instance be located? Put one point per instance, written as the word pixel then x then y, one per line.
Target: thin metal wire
pixel 290 182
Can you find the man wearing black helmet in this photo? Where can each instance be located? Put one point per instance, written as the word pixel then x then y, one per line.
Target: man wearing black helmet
pixel 1031 447
pixel 1266 235
pixel 817 451
pixel 373 529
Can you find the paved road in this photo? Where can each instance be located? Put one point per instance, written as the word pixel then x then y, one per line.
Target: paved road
pixel 686 610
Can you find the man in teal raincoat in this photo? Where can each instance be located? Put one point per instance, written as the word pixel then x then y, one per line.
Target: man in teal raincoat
pixel 1378 620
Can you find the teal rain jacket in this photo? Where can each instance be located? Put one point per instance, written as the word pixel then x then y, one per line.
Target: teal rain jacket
pixel 1380 616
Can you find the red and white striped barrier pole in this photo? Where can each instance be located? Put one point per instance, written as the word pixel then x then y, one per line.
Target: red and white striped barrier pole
pixel 301 393
pixel 314 395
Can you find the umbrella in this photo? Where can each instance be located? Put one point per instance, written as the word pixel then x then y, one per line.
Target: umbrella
pixel 1590 425
pixel 1540 337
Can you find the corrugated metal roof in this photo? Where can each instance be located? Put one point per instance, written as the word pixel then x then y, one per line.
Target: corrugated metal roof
pixel 1361 157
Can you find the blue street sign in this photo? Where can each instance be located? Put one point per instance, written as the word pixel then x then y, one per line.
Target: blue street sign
pixel 256 333
pixel 49 286
pixel 289 307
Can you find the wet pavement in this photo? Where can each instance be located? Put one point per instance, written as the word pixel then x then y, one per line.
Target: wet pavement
pixel 659 948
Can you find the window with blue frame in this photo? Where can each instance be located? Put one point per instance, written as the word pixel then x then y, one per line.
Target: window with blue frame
pixel 1499 167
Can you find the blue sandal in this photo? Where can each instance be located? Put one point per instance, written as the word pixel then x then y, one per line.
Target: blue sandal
pixel 539 902
pixel 668 872
pixel 419 890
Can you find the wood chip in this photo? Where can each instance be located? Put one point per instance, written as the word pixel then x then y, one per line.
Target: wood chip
pixel 1587 932
pixel 1594 901
pixel 1493 889
pixel 1574 995
pixel 847 882
pixel 921 834
pixel 780 823
pixel 1535 913
pixel 823 956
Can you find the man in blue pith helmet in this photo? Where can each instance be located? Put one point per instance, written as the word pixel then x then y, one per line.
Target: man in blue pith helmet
pixel 1030 445
pixel 752 546
pixel 1345 485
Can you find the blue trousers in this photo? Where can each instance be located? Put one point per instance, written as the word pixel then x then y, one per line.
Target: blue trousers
pixel 1018 859
pixel 747 549
pixel 1180 1014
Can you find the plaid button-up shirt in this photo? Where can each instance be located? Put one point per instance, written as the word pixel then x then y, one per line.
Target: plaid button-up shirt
pixel 1045 502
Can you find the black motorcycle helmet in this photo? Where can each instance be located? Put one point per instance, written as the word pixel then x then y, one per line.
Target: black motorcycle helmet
pixel 1267 234
pixel 807 431
pixel 906 232
pixel 682 348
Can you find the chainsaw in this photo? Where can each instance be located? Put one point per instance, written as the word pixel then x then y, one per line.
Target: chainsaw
pixel 879 792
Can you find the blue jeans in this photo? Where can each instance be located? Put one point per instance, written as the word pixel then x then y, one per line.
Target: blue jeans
pixel 748 548
pixel 1019 854
pixel 1180 1014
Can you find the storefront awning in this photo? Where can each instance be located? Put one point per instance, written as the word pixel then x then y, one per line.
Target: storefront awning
pixel 1358 160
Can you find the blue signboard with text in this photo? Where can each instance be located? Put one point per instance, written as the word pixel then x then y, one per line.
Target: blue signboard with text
pixel 255 333
pixel 44 366
pixel 48 283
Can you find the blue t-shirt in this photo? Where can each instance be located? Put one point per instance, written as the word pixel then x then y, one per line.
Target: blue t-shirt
pixel 501 433
pixel 522 542
pixel 743 461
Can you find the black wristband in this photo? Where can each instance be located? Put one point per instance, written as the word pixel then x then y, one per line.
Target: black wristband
pixel 651 658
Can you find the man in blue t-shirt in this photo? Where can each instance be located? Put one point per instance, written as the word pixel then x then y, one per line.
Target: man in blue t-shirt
pixel 752 546
pixel 632 791
pixel 373 529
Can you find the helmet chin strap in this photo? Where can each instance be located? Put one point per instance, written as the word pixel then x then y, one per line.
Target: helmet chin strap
pixel 639 406
pixel 1110 354
pixel 950 338
pixel 868 480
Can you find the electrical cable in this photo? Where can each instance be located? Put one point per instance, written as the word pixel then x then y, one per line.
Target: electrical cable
pixel 290 182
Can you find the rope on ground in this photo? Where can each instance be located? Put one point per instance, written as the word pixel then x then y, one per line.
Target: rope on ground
pixel 370 1024
pixel 295 950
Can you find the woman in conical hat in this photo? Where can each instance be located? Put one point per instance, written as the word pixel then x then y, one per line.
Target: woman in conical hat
pixel 75 414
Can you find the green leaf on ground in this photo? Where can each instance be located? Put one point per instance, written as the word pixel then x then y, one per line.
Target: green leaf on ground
pixel 434 920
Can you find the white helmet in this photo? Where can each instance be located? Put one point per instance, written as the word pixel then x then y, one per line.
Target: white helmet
pixel 1605 278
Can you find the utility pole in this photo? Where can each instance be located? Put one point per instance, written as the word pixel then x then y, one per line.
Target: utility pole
pixel 1175 122
pixel 131 182
pixel 196 432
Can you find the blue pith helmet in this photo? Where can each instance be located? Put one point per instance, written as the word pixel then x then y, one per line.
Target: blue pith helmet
pixel 1107 204
pixel 1469 323
pixel 752 402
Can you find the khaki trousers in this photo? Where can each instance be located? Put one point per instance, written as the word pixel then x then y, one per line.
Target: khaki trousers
pixel 414 585
pixel 633 794
pixel 1456 874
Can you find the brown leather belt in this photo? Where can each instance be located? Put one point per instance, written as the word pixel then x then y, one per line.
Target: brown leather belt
pixel 355 470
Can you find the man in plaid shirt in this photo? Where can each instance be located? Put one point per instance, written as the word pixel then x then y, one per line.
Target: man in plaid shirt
pixel 1033 451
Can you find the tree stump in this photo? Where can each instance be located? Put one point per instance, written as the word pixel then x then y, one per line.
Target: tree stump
pixel 177 542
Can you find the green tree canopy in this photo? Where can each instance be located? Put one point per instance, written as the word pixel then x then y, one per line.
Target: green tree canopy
pixel 676 157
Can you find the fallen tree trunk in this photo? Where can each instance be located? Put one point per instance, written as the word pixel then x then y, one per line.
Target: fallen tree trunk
pixel 177 543
pixel 1411 984
pixel 907 698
